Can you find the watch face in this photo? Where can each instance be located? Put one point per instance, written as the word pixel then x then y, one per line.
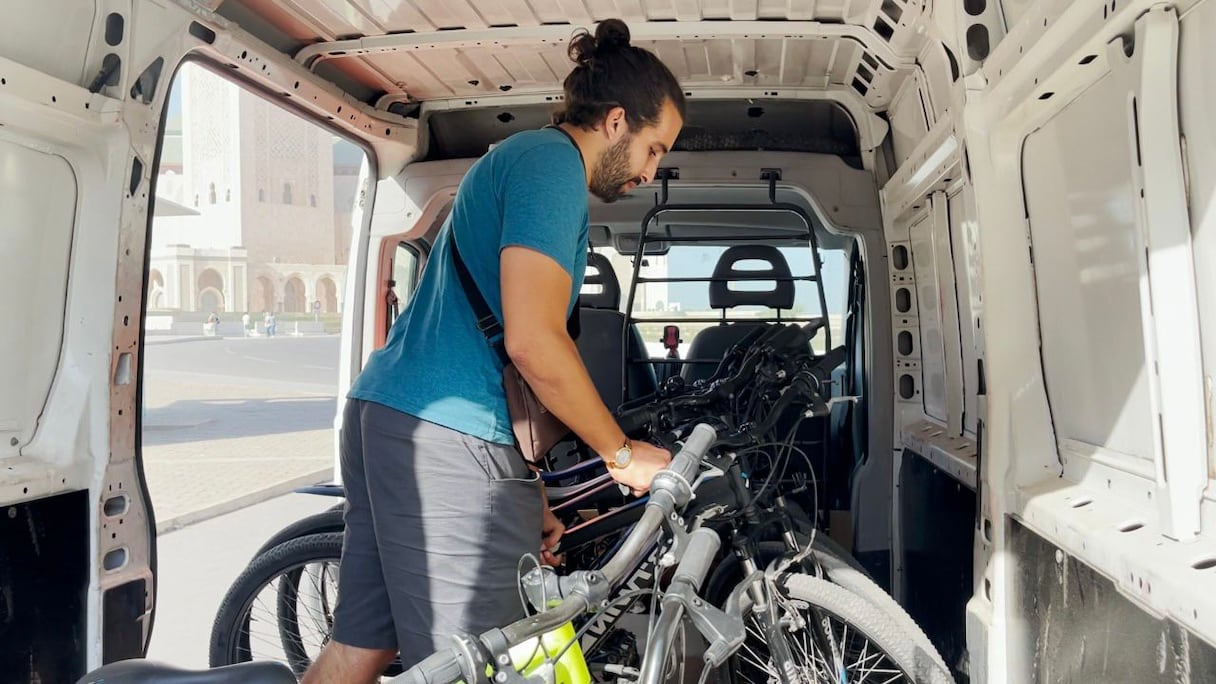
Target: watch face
pixel 623 457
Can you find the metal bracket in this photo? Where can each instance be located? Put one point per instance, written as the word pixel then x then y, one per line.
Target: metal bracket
pixel 772 176
pixel 663 175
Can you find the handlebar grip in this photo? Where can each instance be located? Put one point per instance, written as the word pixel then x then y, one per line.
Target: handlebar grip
pixel 441 667
pixel 687 463
pixel 699 555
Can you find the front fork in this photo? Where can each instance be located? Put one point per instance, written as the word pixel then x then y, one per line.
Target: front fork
pixel 768 609
pixel 766 614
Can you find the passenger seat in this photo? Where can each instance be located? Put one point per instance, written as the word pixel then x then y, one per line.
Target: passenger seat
pixel 600 341
pixel 713 343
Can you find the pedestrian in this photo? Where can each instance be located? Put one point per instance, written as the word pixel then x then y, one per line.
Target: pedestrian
pixel 271 324
pixel 245 323
pixel 440 505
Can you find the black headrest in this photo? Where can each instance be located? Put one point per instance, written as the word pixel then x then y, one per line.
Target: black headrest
pixel 721 296
pixel 600 274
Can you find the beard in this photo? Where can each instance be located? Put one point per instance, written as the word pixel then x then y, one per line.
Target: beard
pixel 612 172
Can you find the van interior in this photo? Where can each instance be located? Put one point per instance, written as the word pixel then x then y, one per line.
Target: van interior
pixel 1000 211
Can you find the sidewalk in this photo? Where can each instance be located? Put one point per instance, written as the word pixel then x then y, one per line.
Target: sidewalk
pixel 213 444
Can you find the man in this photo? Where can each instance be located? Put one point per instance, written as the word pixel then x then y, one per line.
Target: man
pixel 440 504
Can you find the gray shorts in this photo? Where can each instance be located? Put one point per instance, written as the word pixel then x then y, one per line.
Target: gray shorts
pixel 436 522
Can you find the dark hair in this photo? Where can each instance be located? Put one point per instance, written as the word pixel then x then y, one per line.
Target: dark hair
pixel 609 72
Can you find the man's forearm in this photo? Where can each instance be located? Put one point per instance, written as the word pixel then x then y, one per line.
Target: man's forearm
pixel 555 371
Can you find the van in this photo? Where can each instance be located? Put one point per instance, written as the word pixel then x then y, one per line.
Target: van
pixel 1018 195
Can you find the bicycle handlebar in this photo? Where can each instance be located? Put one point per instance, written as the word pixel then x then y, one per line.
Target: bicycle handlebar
pixel 670 488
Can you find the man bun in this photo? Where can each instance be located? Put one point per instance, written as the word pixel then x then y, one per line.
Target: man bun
pixel 611 35
pixel 610 72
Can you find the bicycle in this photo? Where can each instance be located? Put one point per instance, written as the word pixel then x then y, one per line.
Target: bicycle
pixel 768 604
pixel 850 614
pixel 296 570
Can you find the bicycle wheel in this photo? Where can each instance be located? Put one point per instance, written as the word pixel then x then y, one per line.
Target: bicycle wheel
pixel 844 571
pixel 869 646
pixel 326 521
pixel 281 607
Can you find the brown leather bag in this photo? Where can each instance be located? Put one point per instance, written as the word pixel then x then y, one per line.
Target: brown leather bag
pixel 536 429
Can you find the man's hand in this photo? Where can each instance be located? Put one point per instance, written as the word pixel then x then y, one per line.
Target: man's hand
pixel 551 533
pixel 647 460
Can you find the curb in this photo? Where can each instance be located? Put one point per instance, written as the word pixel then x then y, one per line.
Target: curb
pixel 174 340
pixel 269 492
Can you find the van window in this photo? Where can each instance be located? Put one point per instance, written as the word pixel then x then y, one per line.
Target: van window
pixel 405 277
pixel 663 303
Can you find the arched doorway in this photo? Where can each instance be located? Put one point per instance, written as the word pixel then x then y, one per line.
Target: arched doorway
pixel 263 295
pixel 156 290
pixel 327 292
pixel 293 296
pixel 210 300
pixel 210 291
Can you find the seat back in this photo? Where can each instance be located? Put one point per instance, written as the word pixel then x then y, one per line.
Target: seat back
pixel 605 350
pixel 713 343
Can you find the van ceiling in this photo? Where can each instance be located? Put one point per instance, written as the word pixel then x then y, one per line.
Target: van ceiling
pixel 406 51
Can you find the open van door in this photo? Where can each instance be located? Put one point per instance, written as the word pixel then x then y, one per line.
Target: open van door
pixel 83 87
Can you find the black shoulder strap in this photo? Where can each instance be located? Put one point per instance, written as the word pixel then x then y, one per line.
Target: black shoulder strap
pixel 487 322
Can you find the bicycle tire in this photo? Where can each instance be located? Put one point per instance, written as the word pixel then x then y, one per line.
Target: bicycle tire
pixel 852 577
pixel 329 520
pixel 859 583
pixel 919 662
pixel 229 642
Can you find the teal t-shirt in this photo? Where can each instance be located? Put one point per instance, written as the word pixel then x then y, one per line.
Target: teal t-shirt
pixel 530 191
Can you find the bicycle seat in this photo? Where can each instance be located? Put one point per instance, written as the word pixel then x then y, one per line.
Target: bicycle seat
pixel 139 671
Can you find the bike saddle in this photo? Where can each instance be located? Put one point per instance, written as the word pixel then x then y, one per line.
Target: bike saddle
pixel 139 671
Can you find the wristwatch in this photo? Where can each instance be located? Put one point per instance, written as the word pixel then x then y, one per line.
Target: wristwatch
pixel 623 456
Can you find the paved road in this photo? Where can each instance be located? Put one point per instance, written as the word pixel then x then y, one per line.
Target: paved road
pixel 312 360
pixel 197 564
pixel 230 422
pixel 229 426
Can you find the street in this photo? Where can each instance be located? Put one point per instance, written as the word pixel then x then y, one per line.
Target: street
pixel 196 565
pixel 277 359
pixel 230 422
pixel 230 427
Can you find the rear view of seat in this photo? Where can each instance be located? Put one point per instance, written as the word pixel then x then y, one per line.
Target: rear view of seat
pixel 604 350
pixel 713 343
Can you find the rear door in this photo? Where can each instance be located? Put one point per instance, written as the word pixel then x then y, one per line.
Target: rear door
pixel 77 546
